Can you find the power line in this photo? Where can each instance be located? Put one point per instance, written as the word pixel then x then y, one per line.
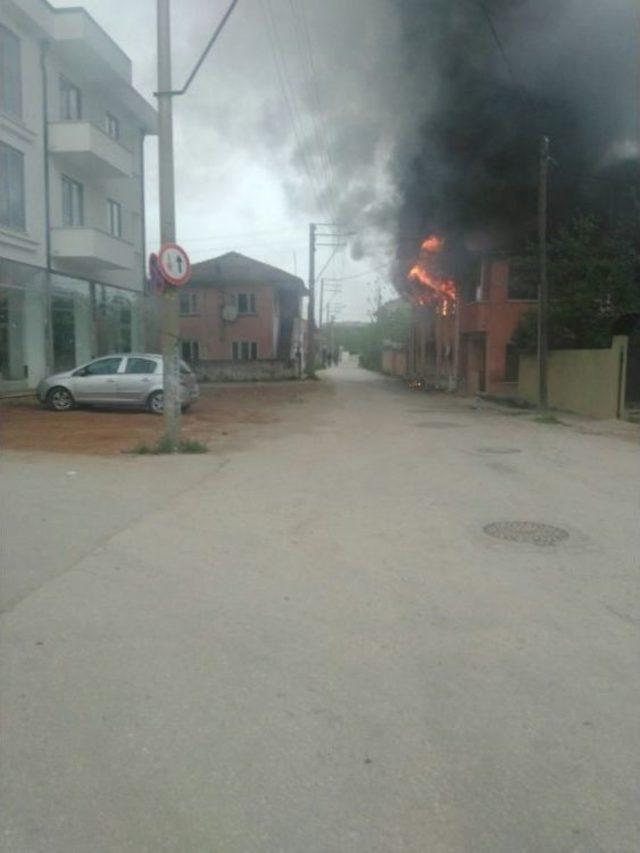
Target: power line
pixel 325 150
pixel 287 91
pixel 361 274
pixel 496 38
pixel 295 21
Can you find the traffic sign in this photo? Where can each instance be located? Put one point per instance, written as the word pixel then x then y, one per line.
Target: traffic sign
pixel 174 264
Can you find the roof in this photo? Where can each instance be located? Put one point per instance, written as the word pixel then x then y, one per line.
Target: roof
pixel 234 268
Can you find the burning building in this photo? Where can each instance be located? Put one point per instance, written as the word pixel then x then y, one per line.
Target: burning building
pixel 501 75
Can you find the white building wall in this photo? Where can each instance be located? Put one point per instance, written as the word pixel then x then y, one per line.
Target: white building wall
pixel 82 52
pixel 96 191
pixel 32 21
pixel 26 135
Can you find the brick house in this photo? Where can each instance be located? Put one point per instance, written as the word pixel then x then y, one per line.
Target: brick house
pixel 242 319
pixel 472 348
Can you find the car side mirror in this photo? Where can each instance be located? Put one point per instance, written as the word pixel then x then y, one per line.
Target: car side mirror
pixel 82 372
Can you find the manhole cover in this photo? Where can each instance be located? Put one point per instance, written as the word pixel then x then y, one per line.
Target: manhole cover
pixel 526 531
pixel 498 450
pixel 439 425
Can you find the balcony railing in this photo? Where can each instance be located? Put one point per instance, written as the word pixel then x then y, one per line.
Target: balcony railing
pixel 85 248
pixel 89 150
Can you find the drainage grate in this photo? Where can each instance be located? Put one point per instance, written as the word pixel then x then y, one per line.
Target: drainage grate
pixel 498 450
pixel 527 531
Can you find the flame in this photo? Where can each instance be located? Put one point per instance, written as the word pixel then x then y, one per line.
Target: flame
pixel 433 286
pixel 433 244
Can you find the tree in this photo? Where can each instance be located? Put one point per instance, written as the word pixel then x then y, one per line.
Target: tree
pixel 594 278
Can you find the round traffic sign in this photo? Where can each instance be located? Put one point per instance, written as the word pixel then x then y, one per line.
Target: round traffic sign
pixel 174 264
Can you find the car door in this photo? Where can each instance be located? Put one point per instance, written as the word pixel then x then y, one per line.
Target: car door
pixel 137 380
pixel 96 381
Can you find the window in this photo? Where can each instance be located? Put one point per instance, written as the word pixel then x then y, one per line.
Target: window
pixel 140 365
pixel 511 363
pixel 246 303
pixel 10 73
pixel 11 187
pixel 114 212
pixel 70 101
pixel 188 304
pixel 190 351
pixel 112 126
pixel 481 287
pixel 245 351
pixel 72 203
pixel 103 367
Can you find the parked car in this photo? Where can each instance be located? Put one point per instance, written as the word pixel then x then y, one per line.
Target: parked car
pixel 131 380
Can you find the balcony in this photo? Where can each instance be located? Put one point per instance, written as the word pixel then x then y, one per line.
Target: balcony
pixel 85 249
pixel 89 151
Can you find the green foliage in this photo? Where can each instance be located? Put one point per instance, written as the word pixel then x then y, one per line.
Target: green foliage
pixel 593 279
pixel 391 325
pixel 164 446
pixel 190 445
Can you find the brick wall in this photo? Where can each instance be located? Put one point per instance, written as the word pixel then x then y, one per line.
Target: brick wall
pixel 215 337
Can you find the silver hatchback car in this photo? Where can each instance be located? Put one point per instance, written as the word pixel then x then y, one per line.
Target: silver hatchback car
pixel 130 380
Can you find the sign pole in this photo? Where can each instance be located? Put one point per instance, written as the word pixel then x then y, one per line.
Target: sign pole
pixel 170 316
pixel 543 285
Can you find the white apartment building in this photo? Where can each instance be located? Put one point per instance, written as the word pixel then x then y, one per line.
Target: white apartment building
pixel 72 254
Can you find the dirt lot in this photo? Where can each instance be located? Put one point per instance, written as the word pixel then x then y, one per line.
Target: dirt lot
pixel 221 411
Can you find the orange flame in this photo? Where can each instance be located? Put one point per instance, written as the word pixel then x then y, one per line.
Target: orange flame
pixel 433 286
pixel 433 244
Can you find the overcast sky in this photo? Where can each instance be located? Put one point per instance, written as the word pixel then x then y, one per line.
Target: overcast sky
pixel 277 130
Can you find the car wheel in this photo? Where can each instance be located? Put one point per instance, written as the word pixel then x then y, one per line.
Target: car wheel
pixel 60 400
pixel 156 402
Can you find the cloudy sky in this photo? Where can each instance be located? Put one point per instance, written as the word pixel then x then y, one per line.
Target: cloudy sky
pixel 286 123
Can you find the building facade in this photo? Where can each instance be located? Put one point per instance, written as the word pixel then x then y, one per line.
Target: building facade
pixel 72 253
pixel 471 348
pixel 237 314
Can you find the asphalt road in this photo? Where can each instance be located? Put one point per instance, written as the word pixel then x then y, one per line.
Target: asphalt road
pixel 309 645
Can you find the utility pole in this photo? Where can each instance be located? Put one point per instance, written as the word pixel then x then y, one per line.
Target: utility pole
pixel 543 286
pixel 339 234
pixel 321 302
pixel 311 314
pixel 170 317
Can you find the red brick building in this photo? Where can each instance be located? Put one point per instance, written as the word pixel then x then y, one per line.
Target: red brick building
pixel 472 347
pixel 236 310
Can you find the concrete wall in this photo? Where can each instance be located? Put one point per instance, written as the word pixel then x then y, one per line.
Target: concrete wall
pixel 394 361
pixel 587 382
pixel 245 371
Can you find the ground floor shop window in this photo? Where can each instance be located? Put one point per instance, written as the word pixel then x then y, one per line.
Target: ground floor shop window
pixel 55 322
pixel 11 336
pixel 117 326
pixel 22 324
pixel 64 332
pixel 245 351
